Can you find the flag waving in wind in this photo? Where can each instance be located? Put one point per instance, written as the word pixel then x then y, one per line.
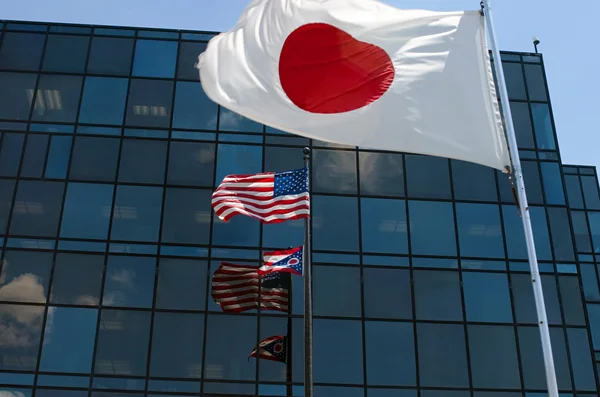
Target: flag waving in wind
pixel 273 348
pixel 286 261
pixel 362 73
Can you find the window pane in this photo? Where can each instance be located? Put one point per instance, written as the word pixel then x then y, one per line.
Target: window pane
pixel 493 365
pixel 392 393
pixel 122 347
pixel 570 297
pixel 77 279
pixel 129 281
pixel 334 362
pixel 381 174
pixel 87 211
pixel 515 237
pixel 191 163
pixel 341 298
pixel 590 192
pixel 479 231
pixel 525 311
pixel 65 53
pixel 515 84
pixel 143 161
pixel 10 153
pixel 25 276
pixel 487 298
pixel 181 284
pixel 227 345
pixel 590 283
pixel 553 186
pixel 594 219
pixel 382 286
pixel 427 177
pixel 574 191
pixel 187 216
pixel 35 156
pixel 193 109
pixel 437 295
pixel 188 58
pixel 58 157
pixel 432 221
pixel 103 100
pixel 20 330
pixel 95 159
pixel 17 89
pixel 21 51
pixel 522 123
pixel 531 175
pixel 6 194
pixel 562 240
pixel 231 121
pixel 535 82
pixel 542 123
pixel 136 213
pixel 149 103
pixel 37 208
pixel 335 223
pixel 581 361
pixel 238 159
pixel 334 171
pixel 179 357
pixel 383 226
pixel 70 347
pixel 530 347
pixel 57 98
pixel 390 354
pixel 442 355
pixel 473 182
pixel 110 55
pixel 155 58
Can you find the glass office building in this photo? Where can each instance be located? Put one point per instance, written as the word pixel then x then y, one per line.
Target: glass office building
pixel 109 153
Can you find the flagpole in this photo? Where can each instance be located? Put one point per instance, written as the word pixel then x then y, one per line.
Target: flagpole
pixel 306 258
pixel 288 356
pixel 523 206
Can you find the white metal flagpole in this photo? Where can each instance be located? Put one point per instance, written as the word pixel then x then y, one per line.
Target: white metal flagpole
pixel 523 206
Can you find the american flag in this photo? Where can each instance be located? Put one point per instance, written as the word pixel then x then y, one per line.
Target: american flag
pixel 236 289
pixel 272 348
pixel 289 261
pixel 270 197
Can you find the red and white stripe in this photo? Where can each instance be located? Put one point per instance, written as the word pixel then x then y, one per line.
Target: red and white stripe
pixel 270 258
pixel 236 289
pixel 252 195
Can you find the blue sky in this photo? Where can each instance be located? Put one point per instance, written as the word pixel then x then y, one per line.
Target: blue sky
pixel 565 32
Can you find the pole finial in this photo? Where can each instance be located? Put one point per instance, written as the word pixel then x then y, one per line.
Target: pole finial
pixel 306 152
pixel 482 7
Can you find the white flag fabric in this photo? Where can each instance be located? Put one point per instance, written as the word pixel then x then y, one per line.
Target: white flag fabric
pixel 362 73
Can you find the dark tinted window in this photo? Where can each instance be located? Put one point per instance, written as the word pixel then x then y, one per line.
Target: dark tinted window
pixel 122 346
pixel 181 284
pixel 333 361
pixel 487 298
pixel 129 281
pixel 570 297
pixel 58 157
pixel 382 286
pixel 77 279
pixel 427 177
pixel 562 240
pixel 390 353
pixel 442 355
pixel 186 217
pixel 479 230
pixel 36 210
pixel 340 299
pixel 188 58
pixel 193 109
pixel 437 295
pixel 335 223
pixel 87 211
pixel 66 53
pixel 515 237
pixel 384 227
pixel 432 221
pixel 515 84
pixel 536 85
pixel 25 276
pixel 143 161
pixel 522 290
pixel 179 357
pixel 149 103
pixel 574 191
pixel 553 186
pixel 18 90
pixel 21 330
pixel 21 51
pixel 231 121
pixel 191 163
pixel 110 55
pixel 493 365
pixel 522 123
pixel 72 343
pixel 95 159
pixel 10 153
pixel 6 198
pixel 103 100
pixel 590 192
pixel 594 219
pixel 57 98
pixel 531 175
pixel 155 58
pixel 35 155
pixel 136 213
pixel 542 123
pixel 581 360
pixel 381 174
pixel 334 171
pixel 473 182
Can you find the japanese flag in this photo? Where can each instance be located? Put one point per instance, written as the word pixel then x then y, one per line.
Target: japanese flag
pixel 362 73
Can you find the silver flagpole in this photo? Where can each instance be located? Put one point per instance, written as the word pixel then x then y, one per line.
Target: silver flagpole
pixel 307 271
pixel 524 207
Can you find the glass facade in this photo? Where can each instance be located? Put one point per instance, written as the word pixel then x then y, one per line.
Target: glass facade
pixel 109 153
